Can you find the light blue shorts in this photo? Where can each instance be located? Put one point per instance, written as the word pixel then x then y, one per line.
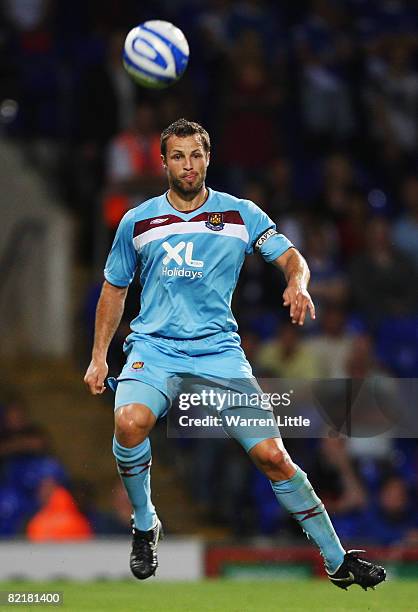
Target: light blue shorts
pixel 158 369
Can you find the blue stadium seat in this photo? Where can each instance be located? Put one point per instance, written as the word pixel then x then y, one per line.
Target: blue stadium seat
pixel 26 472
pixel 15 508
pixel 397 346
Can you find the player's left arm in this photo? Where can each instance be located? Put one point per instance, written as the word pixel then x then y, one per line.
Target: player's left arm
pixel 296 294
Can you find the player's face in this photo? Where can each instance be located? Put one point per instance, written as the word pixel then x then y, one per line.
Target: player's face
pixel 186 162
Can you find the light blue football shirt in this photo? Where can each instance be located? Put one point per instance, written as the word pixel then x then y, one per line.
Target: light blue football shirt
pixel 189 262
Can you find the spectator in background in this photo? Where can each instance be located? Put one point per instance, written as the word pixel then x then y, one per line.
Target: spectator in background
pixel 328 281
pixel 251 104
pixel 134 158
pixel 393 96
pixel 255 190
pixel 391 518
pixel 118 519
pixel 332 345
pixel 371 446
pixel 114 520
pixel 405 232
pixel 361 360
pixel 59 518
pixel 107 98
pixel 211 46
pixel 134 167
pixel 338 181
pixel 217 476
pixel 286 356
pixel 279 177
pixel 18 434
pixel 337 478
pixel 171 107
pixel 41 94
pixel 281 203
pixel 27 16
pixel 352 225
pixel 383 280
pixel 231 489
pixel 25 462
pixel 324 51
pixel 349 467
pixel 258 16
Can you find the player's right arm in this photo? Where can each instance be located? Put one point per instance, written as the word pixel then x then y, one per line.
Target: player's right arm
pixel 119 272
pixel 108 316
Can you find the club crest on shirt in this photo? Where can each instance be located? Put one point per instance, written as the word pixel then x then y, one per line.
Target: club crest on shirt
pixel 215 221
pixel 137 365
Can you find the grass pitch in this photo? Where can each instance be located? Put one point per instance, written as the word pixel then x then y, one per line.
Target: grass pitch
pixel 222 596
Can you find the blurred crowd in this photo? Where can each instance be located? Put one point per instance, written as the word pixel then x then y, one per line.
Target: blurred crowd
pixel 38 498
pixel 312 108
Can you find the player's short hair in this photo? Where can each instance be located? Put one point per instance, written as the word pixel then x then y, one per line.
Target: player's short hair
pixel 182 128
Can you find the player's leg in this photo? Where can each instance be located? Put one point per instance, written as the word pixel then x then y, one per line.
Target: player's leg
pixel 132 449
pixel 295 493
pixel 265 447
pixel 290 484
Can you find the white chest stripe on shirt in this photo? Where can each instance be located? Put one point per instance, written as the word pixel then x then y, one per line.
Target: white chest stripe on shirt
pixel 232 230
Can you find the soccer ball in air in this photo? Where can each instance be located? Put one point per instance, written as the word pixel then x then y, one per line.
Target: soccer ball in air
pixel 156 54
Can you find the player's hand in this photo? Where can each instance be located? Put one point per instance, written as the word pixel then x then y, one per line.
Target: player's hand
pixel 95 376
pixel 299 301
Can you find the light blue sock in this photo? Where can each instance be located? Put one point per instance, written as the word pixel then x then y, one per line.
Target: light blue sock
pixel 301 501
pixel 134 466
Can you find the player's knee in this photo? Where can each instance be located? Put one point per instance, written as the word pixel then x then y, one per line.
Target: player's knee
pixel 133 420
pixel 273 458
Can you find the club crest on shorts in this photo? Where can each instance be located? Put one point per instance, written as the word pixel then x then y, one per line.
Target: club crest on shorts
pixel 215 221
pixel 137 365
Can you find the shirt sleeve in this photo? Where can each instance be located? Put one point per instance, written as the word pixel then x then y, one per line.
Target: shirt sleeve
pixel 263 235
pixel 122 260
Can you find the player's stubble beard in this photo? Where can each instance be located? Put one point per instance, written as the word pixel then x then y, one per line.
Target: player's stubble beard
pixel 186 194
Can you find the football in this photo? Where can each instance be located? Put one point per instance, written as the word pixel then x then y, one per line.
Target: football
pixel 156 54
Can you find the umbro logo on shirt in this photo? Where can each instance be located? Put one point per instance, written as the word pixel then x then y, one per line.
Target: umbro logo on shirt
pixel 157 221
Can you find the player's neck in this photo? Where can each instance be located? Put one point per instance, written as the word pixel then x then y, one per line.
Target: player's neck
pixel 179 202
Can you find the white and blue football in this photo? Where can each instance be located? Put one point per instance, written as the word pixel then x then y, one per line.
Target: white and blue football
pixel 156 53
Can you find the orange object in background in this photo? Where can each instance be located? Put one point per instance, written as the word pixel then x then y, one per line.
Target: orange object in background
pixel 59 519
pixel 115 206
pixel 142 151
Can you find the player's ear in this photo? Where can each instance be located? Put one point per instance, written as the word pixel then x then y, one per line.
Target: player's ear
pixel 208 157
pixel 164 163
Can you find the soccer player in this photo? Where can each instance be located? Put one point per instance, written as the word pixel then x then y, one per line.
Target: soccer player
pixel 189 245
